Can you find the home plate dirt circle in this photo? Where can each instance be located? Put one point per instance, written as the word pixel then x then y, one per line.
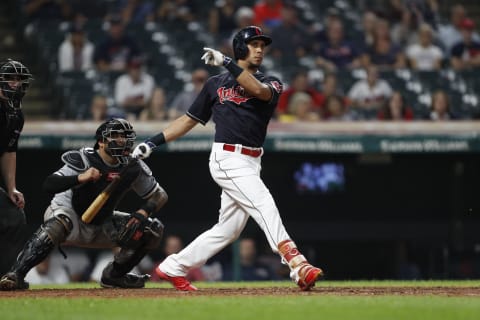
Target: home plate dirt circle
pixel 268 291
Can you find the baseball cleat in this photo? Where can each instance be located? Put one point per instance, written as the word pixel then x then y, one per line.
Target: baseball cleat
pixel 11 281
pixel 306 275
pixel 180 283
pixel 127 281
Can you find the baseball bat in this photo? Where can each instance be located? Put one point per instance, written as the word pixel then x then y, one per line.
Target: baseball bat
pixel 100 200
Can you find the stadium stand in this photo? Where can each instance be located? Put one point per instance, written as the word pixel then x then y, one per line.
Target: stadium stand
pixel 172 48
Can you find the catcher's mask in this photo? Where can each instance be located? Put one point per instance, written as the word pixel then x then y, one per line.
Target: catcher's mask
pixel 244 36
pixel 14 80
pixel 118 136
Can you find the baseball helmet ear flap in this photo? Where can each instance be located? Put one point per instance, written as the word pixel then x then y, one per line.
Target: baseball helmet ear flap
pixel 244 36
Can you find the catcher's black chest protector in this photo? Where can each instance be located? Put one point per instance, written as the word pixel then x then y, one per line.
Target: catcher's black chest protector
pixel 83 195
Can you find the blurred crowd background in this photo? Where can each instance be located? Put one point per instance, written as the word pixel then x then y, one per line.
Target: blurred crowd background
pixel 340 60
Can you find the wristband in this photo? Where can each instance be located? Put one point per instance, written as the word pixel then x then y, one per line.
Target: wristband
pixel 156 140
pixel 232 67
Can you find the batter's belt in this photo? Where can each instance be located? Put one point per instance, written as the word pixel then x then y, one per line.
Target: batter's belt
pixel 252 152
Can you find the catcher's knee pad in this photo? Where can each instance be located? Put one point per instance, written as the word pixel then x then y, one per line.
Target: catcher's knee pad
pixel 58 228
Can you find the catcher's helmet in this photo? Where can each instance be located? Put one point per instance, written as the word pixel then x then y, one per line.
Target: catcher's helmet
pixel 246 35
pixel 111 132
pixel 12 70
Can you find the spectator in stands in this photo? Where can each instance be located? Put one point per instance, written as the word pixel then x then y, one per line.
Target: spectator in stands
pixel 268 14
pixel 440 107
pixel 222 19
pixel 101 109
pixel 383 52
pixel 329 87
pixel 336 110
pixel 299 83
pixel 133 90
pixel 292 37
pixel 371 93
pixel 75 52
pixel 369 21
pixel 300 108
pixel 243 18
pixel 337 53
pixel 182 11
pixel 425 11
pixel 404 32
pixel 451 33
pixel 320 34
pixel 251 269
pixel 424 55
pixel 157 109
pixel 117 49
pixel 396 109
pixel 185 98
pixel 136 11
pixel 466 53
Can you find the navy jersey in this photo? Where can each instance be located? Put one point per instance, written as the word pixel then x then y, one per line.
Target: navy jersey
pixel 239 118
pixel 11 125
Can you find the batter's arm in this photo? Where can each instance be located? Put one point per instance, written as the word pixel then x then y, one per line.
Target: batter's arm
pixel 174 130
pixel 179 127
pixel 254 87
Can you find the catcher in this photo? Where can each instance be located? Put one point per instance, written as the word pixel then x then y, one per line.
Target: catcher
pixel 84 175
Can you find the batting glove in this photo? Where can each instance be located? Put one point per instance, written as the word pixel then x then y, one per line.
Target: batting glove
pixel 143 150
pixel 214 57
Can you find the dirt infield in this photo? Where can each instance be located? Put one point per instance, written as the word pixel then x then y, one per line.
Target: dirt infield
pixel 272 291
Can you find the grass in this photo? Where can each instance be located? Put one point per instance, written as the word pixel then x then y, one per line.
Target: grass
pixel 289 307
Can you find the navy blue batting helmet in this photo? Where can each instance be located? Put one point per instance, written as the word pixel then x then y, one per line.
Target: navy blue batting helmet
pixel 244 36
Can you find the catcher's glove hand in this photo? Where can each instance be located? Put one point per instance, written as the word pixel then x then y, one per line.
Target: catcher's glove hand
pixel 132 231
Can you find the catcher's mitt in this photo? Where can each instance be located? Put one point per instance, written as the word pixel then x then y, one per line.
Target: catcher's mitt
pixel 133 229
pixel 131 233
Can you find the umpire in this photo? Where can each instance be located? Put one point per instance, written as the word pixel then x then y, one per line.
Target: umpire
pixel 14 81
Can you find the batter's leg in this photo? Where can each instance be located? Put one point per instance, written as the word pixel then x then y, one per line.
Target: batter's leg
pixel 251 194
pixel 232 221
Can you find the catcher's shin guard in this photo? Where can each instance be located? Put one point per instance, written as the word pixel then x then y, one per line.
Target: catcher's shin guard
pixel 301 272
pixel 53 232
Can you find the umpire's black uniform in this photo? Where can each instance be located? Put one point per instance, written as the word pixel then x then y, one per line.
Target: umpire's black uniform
pixel 11 217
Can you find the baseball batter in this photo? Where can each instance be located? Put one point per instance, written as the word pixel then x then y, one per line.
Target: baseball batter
pixel 241 103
